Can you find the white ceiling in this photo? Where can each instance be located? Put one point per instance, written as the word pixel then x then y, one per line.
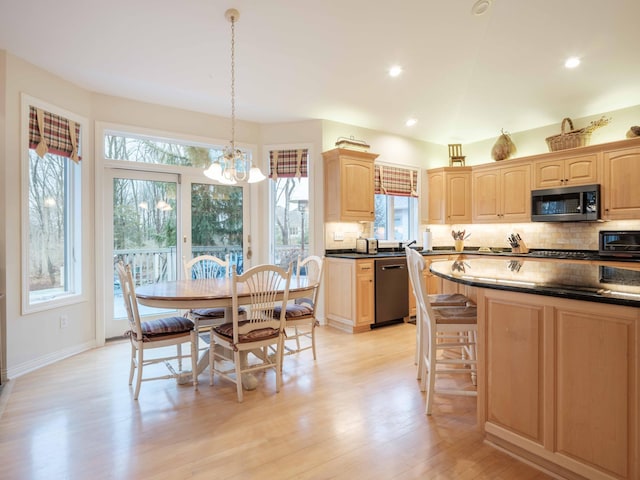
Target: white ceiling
pixel 465 76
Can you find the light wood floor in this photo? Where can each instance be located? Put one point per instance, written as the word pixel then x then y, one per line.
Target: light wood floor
pixel 356 413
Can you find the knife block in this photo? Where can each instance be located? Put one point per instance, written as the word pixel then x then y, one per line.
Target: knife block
pixel 521 248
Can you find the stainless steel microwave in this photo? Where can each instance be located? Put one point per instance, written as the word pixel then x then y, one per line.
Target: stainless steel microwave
pixel 566 204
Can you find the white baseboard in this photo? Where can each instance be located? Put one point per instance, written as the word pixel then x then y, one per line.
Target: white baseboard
pixel 31 365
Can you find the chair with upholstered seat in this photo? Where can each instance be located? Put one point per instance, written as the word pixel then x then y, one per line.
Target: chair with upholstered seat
pixel 444 328
pixel 207 266
pixel 153 334
pixel 261 288
pixel 300 316
pixel 436 300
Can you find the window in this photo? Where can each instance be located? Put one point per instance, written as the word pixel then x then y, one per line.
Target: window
pixel 396 204
pixel 396 218
pixel 53 225
pixel 290 204
pixel 145 149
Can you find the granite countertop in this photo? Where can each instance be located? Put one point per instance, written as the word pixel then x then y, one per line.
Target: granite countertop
pixel 589 281
pixel 493 252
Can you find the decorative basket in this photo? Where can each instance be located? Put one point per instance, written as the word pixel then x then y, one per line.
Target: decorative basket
pixel 573 138
pixel 352 144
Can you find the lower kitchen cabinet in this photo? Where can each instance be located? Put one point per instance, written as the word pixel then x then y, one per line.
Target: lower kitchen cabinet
pixel 559 382
pixel 349 293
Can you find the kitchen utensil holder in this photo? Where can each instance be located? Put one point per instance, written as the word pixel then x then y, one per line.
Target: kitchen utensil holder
pixel 521 248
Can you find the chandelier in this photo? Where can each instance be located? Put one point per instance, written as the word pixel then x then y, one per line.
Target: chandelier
pixel 233 166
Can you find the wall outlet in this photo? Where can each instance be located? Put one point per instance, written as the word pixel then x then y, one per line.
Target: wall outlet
pixel 64 321
pixel 338 236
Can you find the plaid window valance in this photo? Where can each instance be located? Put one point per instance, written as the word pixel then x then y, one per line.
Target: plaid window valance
pixel 289 163
pixel 49 132
pixel 401 182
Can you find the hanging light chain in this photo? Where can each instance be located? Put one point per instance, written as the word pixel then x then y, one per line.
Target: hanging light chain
pixel 224 169
pixel 233 83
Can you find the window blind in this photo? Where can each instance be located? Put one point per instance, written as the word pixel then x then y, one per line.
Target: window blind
pixel 398 181
pixel 52 133
pixel 288 163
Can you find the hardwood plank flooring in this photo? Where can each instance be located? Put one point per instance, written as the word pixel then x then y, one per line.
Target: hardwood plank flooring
pixel 355 413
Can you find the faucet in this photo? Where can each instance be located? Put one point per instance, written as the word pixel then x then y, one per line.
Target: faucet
pixel 401 246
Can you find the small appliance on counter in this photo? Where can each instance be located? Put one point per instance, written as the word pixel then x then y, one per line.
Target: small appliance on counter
pixel 367 245
pixel 619 243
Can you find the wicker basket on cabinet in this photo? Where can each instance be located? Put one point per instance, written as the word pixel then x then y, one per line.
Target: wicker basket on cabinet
pixel 574 138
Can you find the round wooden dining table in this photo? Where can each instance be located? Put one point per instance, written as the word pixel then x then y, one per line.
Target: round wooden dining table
pixel 206 293
pixel 209 293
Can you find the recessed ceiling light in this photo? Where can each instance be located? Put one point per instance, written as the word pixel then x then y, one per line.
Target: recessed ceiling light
pixel 480 7
pixel 572 62
pixel 411 122
pixel 395 71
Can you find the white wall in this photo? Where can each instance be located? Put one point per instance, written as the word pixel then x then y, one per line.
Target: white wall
pixel 532 142
pixel 391 149
pixel 3 209
pixel 34 339
pixel 30 341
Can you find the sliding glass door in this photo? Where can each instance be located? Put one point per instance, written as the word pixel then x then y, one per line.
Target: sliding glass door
pixel 158 219
pixel 145 229
pixel 216 219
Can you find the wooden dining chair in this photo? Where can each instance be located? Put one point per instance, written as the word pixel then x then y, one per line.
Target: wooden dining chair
pixel 154 334
pixel 262 288
pixel 435 299
pixel 444 328
pixel 300 316
pixel 207 266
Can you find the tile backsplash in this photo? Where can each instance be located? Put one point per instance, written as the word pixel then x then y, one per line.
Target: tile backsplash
pixel 569 235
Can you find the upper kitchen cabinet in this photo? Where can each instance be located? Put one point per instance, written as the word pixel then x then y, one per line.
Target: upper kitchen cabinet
pixel 446 195
pixel 501 193
pixel 575 170
pixel 349 185
pixel 621 177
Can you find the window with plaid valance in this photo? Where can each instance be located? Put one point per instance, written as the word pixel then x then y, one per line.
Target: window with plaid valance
pixel 289 163
pixel 398 181
pixel 50 133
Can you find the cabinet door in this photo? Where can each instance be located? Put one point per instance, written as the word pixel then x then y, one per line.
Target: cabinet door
pixel 620 190
pixel 357 196
pixel 581 170
pixel 515 193
pixel 340 292
pixel 596 371
pixel 515 367
pixel 435 185
pixel 548 174
pixel 365 293
pixel 458 197
pixel 486 206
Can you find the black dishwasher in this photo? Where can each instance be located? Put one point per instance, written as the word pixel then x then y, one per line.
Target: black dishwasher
pixel 392 291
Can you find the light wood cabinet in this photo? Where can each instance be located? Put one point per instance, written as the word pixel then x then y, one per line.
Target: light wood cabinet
pixel 558 382
pixel 349 293
pixel 576 170
pixel 448 195
pixel 349 185
pixel 502 194
pixel 621 178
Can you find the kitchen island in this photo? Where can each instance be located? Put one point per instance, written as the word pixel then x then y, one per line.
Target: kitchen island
pixel 558 366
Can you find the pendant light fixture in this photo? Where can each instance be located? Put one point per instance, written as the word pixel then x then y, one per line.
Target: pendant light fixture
pixel 233 166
